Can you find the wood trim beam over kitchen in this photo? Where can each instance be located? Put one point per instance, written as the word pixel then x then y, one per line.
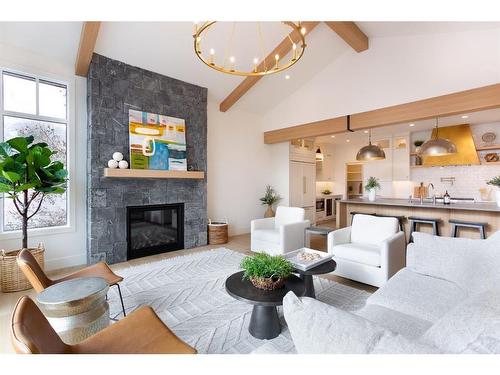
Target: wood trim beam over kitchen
pixel 282 49
pixel 88 38
pixel 351 34
pixel 467 101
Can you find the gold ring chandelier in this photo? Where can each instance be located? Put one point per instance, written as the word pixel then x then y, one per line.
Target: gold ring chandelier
pixel 261 66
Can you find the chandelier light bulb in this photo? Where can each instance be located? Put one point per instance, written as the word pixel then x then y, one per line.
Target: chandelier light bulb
pixel 294 53
pixel 303 31
pixel 294 46
pixel 276 57
pixel 212 51
pixel 231 59
pixel 255 60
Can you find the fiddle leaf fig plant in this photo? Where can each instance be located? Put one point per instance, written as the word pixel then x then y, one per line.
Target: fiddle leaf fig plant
pixel 27 175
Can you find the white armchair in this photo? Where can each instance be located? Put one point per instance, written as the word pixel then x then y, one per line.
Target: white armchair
pixel 371 251
pixel 280 234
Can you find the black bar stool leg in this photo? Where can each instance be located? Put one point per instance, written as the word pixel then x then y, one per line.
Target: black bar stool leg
pixel 482 232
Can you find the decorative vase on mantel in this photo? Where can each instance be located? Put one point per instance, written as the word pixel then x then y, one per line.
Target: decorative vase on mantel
pixel 269 212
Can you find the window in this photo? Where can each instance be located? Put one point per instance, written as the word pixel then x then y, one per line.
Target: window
pixel 34 106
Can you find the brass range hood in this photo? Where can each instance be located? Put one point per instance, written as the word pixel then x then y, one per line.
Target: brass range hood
pixel 461 136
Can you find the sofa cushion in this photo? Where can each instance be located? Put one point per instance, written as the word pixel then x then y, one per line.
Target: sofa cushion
pixel 318 328
pixel 267 235
pixel 472 264
pixel 288 215
pixel 358 252
pixel 423 297
pixel 372 230
pixel 473 326
pixel 407 325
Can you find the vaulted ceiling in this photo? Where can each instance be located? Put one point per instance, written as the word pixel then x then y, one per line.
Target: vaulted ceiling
pixel 167 48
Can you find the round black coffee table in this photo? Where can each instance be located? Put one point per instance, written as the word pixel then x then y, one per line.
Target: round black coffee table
pixel 307 276
pixel 264 322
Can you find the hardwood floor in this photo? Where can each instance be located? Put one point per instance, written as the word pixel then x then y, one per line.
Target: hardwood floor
pixel 239 243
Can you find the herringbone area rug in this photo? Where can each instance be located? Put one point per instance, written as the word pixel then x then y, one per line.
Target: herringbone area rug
pixel 188 294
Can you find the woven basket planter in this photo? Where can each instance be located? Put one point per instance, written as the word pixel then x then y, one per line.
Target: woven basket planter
pixel 217 232
pixel 12 278
pixel 267 283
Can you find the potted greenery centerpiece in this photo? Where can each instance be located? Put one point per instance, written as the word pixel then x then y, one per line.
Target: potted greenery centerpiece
pixel 270 198
pixel 371 186
pixel 495 181
pixel 418 158
pixel 267 272
pixel 27 176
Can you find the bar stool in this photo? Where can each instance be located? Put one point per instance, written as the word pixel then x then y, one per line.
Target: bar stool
pixel 455 224
pixel 360 213
pixel 414 221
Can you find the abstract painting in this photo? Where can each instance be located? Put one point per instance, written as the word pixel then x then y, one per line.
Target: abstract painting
pixel 157 141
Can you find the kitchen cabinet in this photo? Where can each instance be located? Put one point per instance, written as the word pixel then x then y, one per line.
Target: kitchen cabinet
pixel 401 158
pixel 303 185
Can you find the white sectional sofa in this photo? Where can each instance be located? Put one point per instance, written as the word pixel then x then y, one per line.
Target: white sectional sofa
pixel 446 300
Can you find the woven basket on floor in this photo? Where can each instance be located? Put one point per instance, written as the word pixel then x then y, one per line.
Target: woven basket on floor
pixel 217 232
pixel 12 278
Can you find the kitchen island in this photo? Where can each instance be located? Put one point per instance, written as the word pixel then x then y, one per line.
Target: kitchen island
pixel 469 211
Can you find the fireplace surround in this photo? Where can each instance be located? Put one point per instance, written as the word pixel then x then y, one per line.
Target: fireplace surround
pixel 113 88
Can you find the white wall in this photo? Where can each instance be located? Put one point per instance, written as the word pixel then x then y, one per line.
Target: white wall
pixel 240 166
pixel 65 247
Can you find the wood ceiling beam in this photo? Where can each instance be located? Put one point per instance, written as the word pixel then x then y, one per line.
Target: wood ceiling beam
pixel 282 49
pixel 312 129
pixel 478 99
pixel 88 38
pixel 350 33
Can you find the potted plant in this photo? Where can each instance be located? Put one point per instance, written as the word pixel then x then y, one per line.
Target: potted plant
pixel 371 186
pixel 27 176
pixel 495 181
pixel 269 199
pixel 267 272
pixel 418 158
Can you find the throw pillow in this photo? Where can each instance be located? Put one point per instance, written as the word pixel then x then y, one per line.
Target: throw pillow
pixel 471 264
pixel 318 328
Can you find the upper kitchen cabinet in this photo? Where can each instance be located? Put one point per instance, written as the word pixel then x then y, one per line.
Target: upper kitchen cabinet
pixel 401 158
pixel 324 168
pixel 381 169
pixel 302 150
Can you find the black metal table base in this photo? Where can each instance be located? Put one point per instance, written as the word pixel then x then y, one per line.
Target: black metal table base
pixel 309 286
pixel 264 322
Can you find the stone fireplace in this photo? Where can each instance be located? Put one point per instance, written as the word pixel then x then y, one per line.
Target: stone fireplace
pixel 113 88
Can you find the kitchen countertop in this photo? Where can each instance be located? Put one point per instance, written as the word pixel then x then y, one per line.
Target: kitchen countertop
pixel 477 206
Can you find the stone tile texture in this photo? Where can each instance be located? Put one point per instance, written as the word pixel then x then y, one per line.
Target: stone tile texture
pixel 113 88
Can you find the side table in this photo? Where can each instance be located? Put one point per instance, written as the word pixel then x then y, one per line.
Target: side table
pixel 322 231
pixel 76 308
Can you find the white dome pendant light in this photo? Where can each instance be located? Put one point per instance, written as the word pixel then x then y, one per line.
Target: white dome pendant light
pixel 438 146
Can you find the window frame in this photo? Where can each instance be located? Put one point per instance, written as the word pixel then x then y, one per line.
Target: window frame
pixel 70 145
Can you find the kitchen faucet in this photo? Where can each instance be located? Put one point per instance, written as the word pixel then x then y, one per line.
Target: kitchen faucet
pixel 431 185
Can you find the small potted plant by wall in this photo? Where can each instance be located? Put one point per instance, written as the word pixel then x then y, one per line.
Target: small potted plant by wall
pixel 27 176
pixel 371 186
pixel 495 181
pixel 418 158
pixel 267 272
pixel 270 198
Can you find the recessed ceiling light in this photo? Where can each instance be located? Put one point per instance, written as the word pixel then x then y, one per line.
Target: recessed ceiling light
pixel 412 125
pixel 366 132
pixel 465 116
pixel 287 77
pixel 348 140
pixel 332 136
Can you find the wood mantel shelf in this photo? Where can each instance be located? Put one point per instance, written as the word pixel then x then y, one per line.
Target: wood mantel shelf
pixel 152 173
